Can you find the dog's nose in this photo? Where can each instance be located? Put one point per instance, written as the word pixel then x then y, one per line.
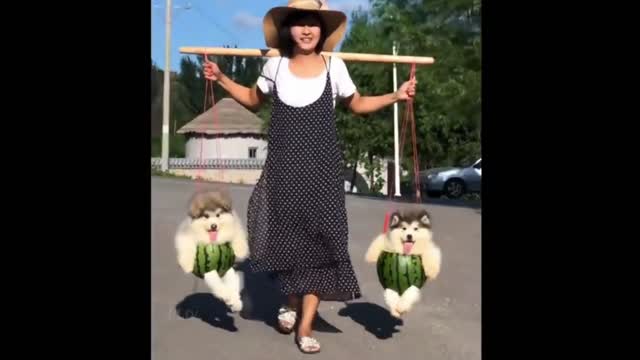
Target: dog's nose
pixel 214 227
pixel 409 237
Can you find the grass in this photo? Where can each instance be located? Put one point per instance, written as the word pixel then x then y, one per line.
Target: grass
pixel 157 172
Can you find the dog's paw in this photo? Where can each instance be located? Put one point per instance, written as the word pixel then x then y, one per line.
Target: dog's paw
pixel 371 257
pixel 408 299
pixel 432 270
pixel 403 307
pixel 235 305
pixel 186 264
pixel 395 313
pixel 431 262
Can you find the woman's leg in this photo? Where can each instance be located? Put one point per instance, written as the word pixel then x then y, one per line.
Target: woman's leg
pixel 304 339
pixel 310 304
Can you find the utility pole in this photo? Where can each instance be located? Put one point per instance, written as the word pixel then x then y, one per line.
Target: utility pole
pixel 166 98
pixel 396 141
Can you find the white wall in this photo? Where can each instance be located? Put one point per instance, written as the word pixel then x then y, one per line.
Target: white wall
pixel 233 176
pixel 230 148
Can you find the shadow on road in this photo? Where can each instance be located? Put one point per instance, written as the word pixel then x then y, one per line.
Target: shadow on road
pixel 207 308
pixel 374 318
pixel 262 299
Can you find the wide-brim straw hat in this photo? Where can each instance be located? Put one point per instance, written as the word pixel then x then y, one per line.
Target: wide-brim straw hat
pixel 335 21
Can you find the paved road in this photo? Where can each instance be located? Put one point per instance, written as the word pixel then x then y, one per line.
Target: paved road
pixel 188 323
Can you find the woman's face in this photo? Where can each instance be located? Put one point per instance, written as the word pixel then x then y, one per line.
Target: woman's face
pixel 305 33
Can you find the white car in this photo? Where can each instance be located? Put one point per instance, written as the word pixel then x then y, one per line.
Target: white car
pixel 452 182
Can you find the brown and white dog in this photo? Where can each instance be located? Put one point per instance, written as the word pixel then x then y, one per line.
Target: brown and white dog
pixel 409 234
pixel 211 218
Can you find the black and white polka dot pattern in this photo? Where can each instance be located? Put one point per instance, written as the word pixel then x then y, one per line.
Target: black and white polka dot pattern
pixel 297 220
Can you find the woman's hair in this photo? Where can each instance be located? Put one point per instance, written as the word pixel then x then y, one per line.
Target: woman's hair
pixel 286 43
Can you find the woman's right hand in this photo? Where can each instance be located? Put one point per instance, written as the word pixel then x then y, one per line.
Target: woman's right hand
pixel 211 70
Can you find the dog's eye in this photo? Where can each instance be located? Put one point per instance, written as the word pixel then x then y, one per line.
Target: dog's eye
pixel 404 228
pixel 416 229
pixel 206 216
pixel 217 215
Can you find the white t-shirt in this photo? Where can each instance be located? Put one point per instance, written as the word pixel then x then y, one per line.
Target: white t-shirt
pixel 298 92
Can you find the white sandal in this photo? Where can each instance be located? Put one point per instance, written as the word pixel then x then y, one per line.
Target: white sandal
pixel 308 345
pixel 286 319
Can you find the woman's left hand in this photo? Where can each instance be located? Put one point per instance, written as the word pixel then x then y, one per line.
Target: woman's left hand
pixel 407 90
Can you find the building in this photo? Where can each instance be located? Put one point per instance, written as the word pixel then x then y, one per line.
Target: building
pixel 226 131
pixel 227 144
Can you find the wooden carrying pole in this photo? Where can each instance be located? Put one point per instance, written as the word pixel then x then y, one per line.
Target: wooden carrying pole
pixel 418 60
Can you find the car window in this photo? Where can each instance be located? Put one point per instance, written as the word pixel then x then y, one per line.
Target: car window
pixel 478 165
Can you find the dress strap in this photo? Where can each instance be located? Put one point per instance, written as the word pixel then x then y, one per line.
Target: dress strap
pixel 325 64
pixel 277 69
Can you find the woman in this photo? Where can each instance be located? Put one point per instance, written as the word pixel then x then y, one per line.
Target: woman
pixel 297 221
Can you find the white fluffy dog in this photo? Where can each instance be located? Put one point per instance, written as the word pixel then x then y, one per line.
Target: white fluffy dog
pixel 211 219
pixel 409 234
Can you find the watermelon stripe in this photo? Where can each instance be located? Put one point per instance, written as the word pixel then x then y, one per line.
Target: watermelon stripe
pixel 223 262
pixel 201 261
pixel 215 260
pixel 403 273
pixel 210 251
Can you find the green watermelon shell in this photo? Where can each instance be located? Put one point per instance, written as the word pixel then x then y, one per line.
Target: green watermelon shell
pixel 213 257
pixel 398 272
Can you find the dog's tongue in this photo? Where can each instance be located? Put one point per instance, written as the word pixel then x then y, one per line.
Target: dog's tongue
pixel 406 247
pixel 213 235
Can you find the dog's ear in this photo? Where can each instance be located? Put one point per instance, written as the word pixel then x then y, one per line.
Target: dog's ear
pixel 425 218
pixel 395 219
pixel 196 206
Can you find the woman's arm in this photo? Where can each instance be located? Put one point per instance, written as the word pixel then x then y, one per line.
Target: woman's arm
pixel 359 104
pixel 250 98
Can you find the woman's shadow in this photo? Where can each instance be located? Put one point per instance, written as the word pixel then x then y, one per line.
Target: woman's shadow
pixel 261 301
pixel 374 318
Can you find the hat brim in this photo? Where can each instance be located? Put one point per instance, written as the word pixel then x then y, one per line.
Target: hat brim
pixel 335 25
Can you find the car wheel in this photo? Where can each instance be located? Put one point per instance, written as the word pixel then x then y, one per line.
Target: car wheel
pixel 454 188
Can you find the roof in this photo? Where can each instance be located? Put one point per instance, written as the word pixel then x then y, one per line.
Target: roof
pixel 227 116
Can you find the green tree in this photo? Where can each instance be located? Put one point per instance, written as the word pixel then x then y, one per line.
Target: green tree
pixel 447 105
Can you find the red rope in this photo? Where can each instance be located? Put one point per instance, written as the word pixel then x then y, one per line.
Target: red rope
pixel 408 119
pixel 209 94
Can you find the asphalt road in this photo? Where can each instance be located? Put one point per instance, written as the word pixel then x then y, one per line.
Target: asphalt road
pixel 188 323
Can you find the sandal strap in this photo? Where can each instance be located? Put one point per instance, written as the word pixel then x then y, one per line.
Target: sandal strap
pixel 308 343
pixel 287 314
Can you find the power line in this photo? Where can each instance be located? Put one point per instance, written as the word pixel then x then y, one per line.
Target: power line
pixel 215 23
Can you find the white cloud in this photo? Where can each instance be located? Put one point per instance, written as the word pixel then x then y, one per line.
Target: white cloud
pixel 348 6
pixel 246 20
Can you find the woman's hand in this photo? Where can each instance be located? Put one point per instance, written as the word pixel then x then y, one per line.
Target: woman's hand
pixel 407 90
pixel 211 70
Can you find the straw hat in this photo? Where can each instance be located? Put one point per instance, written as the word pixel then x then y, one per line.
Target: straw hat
pixel 335 21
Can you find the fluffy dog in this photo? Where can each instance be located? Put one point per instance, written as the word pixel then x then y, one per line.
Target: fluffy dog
pixel 211 218
pixel 409 234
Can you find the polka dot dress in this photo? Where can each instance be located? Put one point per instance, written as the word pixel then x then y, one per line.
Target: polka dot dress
pixel 297 220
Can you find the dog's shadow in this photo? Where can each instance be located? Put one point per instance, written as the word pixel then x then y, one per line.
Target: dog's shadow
pixel 375 319
pixel 261 300
pixel 206 307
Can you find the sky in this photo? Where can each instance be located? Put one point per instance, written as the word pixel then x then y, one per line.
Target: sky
pixel 216 23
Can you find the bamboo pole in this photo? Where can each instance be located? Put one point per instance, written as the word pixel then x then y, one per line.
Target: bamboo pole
pixel 418 60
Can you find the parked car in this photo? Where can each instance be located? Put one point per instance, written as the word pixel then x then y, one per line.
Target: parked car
pixel 452 182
